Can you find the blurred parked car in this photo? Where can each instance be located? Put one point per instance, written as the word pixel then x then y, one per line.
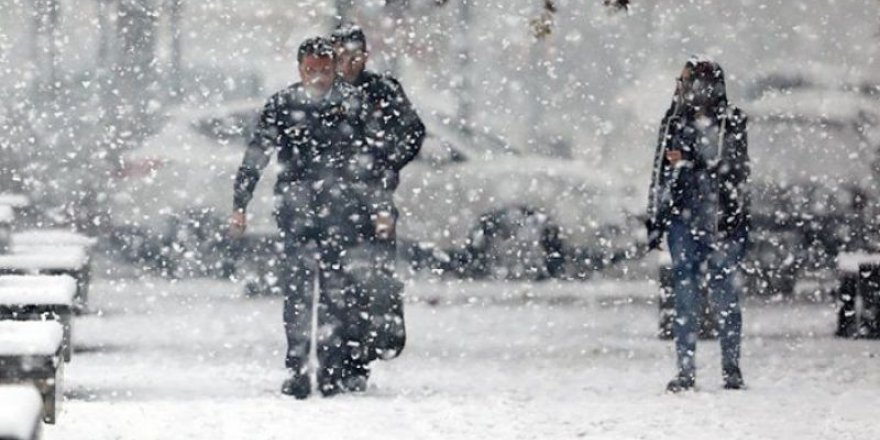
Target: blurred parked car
pixel 470 203
pixel 791 77
pixel 813 166
pixel 497 213
pixel 173 195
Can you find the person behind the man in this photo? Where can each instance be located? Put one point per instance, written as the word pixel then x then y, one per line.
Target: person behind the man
pixel 699 198
pixel 316 128
pixel 395 133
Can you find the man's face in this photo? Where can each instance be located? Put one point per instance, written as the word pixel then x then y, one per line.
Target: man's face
pixel 697 90
pixel 351 61
pixel 317 73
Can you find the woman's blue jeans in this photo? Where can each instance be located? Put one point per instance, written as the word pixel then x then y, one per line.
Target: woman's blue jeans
pixel 705 264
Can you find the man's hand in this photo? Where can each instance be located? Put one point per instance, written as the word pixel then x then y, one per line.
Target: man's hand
pixel 238 224
pixel 384 225
pixel 673 156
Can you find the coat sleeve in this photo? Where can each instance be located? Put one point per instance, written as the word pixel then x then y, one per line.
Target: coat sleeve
pixel 409 131
pixel 265 141
pixel 735 175
pixel 655 222
pixel 659 170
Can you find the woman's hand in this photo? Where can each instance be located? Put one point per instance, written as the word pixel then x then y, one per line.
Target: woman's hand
pixel 384 225
pixel 238 224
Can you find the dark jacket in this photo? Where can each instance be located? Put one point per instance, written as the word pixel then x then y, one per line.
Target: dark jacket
pixel 394 129
pixel 716 185
pixel 314 141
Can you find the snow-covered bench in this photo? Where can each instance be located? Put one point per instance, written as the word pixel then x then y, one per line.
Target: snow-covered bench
pixel 51 260
pixel 851 262
pixel 17 202
pixel 20 412
pixel 859 294
pixel 52 237
pixel 30 352
pixel 7 218
pixel 14 201
pixel 40 297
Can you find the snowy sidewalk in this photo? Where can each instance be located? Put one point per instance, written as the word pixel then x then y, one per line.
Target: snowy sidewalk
pixel 194 360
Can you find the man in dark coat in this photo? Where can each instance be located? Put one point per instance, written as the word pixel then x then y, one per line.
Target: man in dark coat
pixel 395 133
pixel 316 128
pixel 699 197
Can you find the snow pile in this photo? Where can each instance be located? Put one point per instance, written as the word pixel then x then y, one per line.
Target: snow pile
pixel 40 338
pixel 20 408
pixel 37 289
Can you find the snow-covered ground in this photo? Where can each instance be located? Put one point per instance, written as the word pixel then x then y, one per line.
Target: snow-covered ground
pixel 195 360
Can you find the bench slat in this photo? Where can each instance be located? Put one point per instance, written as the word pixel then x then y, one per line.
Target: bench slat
pixel 37 289
pixel 20 412
pixel 30 338
pixel 52 237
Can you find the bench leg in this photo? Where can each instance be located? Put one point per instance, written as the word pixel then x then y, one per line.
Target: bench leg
pixel 38 431
pixel 47 389
pixel 51 389
pixel 846 319
pixel 80 300
pixel 871 318
pixel 67 349
pixel 84 281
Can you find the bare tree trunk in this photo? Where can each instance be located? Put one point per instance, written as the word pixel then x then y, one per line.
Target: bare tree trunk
pixel 534 82
pixel 538 81
pixel 175 18
pixel 54 15
pixel 465 98
pixel 134 73
pixel 396 10
pixel 137 29
pixel 106 62
pixel 343 11
pixel 105 37
pixel 44 44
pixel 34 40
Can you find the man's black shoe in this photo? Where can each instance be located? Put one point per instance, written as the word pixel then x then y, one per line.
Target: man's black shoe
pixel 682 382
pixel 330 381
pixel 356 377
pixel 355 383
pixel 330 389
pixel 733 379
pixel 347 379
pixel 298 386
